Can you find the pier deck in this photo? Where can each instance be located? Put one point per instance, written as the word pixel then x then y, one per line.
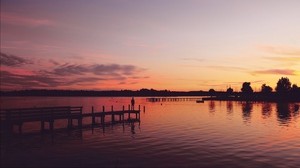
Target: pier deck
pixel 18 116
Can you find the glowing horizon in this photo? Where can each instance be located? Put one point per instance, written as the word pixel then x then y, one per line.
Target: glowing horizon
pixel 123 44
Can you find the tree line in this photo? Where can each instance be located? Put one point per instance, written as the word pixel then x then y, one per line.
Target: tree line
pixel 284 90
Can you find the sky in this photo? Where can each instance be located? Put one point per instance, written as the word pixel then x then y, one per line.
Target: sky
pixel 178 45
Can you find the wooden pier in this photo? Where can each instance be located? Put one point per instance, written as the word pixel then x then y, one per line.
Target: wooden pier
pixel 11 117
pixel 171 99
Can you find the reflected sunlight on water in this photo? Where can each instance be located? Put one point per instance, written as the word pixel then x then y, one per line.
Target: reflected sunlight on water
pixel 170 134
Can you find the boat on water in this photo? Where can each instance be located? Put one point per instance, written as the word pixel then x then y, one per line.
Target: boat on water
pixel 199 101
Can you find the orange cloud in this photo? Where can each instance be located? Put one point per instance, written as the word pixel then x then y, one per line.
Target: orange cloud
pixel 284 59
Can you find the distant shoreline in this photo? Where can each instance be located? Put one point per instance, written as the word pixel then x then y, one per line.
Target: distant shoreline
pixel 221 96
pixel 251 99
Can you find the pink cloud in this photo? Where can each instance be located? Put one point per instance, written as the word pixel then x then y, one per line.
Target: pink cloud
pixel 21 73
pixel 18 71
pixel 15 19
pixel 275 71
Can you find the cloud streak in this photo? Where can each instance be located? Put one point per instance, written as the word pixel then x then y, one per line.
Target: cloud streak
pixel 227 68
pixel 97 69
pixel 284 59
pixel 192 59
pixel 27 81
pixel 275 71
pixel 64 74
pixel 12 60
pixel 14 19
pixel 284 51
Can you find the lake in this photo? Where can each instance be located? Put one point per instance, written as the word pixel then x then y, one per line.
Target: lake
pixel 169 134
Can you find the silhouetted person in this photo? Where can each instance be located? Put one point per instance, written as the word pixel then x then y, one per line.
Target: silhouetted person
pixel 132 103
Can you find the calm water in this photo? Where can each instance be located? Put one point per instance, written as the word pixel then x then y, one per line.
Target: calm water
pixel 170 134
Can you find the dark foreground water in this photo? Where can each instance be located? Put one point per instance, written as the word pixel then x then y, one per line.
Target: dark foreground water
pixel 170 134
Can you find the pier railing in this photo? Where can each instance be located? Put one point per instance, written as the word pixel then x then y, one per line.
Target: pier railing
pixel 18 116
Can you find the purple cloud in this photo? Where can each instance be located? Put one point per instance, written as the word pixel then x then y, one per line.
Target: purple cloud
pixel 63 74
pixel 12 60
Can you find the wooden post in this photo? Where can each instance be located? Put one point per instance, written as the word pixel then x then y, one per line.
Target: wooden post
pixel 103 116
pixel 93 116
pixel 128 111
pixel 51 125
pixel 123 113
pixel 144 109
pixel 112 115
pixel 20 128
pixel 69 119
pixel 43 126
pixel 69 122
pixel 80 122
pixel 80 118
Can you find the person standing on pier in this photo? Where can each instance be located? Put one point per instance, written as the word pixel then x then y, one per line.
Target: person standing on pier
pixel 132 103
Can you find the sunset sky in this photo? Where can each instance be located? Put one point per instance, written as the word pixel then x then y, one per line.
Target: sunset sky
pixel 160 44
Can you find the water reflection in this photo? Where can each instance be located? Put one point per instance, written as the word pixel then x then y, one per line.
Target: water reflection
pixel 266 110
pixel 170 138
pixel 247 109
pixel 296 110
pixel 229 106
pixel 286 111
pixel 212 106
pixel 35 140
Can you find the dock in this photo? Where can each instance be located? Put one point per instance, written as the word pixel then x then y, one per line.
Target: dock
pixel 18 116
pixel 171 99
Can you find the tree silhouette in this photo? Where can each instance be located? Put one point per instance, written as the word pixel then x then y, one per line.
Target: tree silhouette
pixel 266 89
pixel 283 86
pixel 295 91
pixel 211 92
pixel 295 88
pixel 229 91
pixel 246 88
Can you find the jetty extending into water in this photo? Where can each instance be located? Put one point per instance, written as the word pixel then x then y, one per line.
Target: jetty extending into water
pixel 171 99
pixel 18 116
